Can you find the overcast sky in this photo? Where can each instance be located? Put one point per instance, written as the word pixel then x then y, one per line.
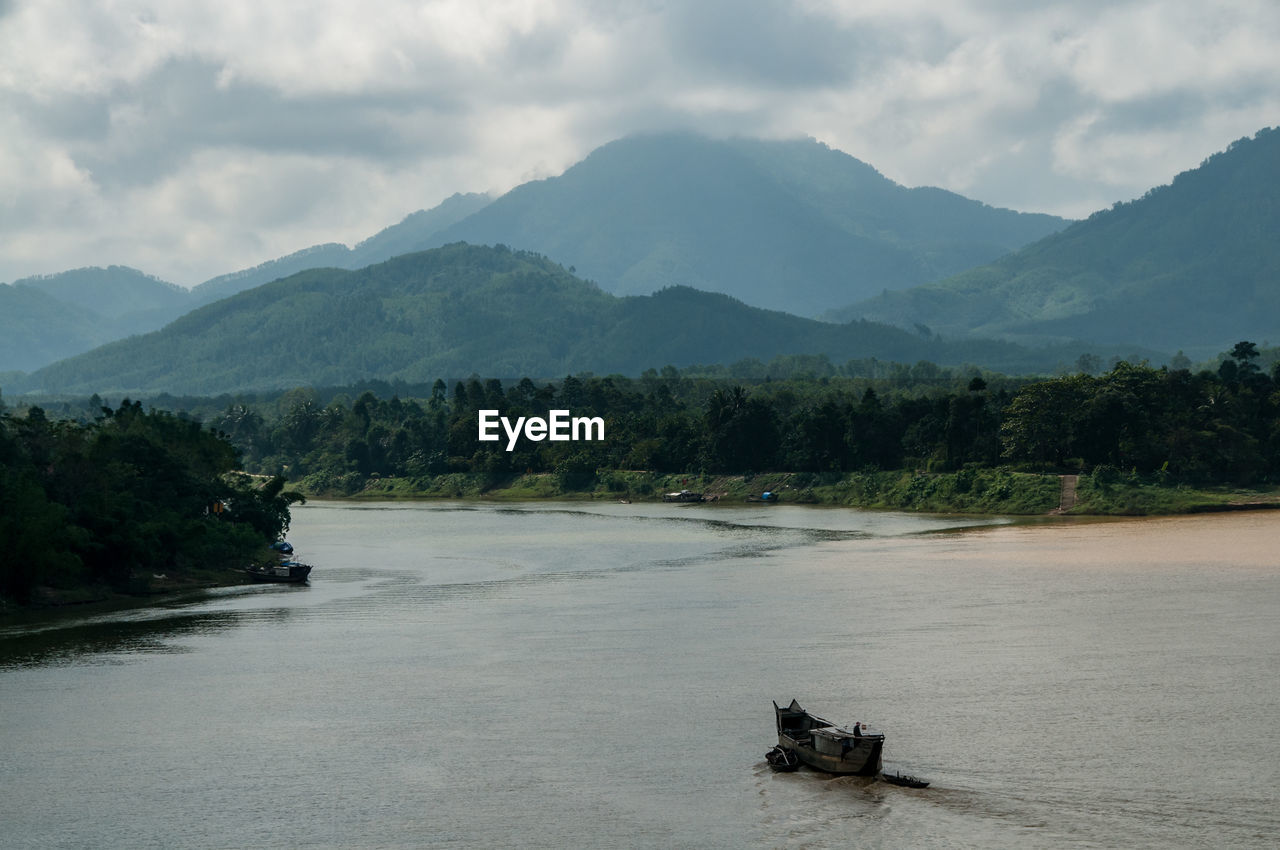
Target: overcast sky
pixel 189 139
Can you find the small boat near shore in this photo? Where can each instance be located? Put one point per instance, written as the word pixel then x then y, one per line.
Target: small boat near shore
pixel 782 760
pixel 684 496
pixel 905 780
pixel 823 745
pixel 286 571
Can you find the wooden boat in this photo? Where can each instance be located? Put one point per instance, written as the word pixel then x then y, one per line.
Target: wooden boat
pixel 905 780
pixel 683 496
pixel 824 745
pixel 285 571
pixel 782 759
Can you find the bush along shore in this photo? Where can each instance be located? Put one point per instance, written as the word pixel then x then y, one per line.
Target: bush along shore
pixel 131 504
pixel 970 491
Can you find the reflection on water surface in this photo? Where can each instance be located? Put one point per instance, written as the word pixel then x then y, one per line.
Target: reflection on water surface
pixel 603 675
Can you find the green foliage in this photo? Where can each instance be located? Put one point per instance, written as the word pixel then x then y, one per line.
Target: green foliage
pixel 1198 429
pixel 943 425
pixel 129 495
pixel 918 437
pixel 984 491
pixel 1110 492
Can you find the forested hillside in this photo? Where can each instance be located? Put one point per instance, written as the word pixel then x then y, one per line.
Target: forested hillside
pixel 113 292
pixel 792 226
pixel 84 308
pixel 463 309
pixel 1193 265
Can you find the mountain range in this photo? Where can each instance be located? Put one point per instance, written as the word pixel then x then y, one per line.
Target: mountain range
pixel 1192 265
pixel 790 225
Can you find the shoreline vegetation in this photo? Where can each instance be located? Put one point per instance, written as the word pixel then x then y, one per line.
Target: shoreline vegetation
pixel 96 500
pixel 132 504
pixel 980 492
pixel 985 492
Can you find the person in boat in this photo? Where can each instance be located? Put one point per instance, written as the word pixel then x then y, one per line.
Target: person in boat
pixel 857 729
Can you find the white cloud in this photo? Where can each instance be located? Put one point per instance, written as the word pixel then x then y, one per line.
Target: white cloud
pixel 1152 49
pixel 191 139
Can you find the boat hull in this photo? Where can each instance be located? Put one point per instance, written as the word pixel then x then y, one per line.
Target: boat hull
pixel 863 758
pixel 288 574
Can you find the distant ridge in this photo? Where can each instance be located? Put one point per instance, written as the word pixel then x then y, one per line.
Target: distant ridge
pixel 49 317
pixel 413 233
pixel 112 292
pixel 1193 265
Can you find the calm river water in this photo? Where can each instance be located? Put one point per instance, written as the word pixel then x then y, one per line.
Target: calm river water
pixel 557 675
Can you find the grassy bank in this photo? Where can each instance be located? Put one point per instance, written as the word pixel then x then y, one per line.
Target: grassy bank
pixel 969 491
pixel 1098 496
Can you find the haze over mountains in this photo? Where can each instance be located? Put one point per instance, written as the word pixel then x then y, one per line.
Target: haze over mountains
pixel 784 225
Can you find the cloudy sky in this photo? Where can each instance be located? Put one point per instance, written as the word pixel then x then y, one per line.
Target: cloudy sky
pixel 188 139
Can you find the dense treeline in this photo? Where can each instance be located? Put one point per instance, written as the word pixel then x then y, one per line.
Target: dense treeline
pixel 114 501
pixel 1201 428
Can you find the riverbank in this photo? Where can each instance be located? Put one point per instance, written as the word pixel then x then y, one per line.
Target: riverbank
pixel 100 598
pixel 999 491
pixel 968 491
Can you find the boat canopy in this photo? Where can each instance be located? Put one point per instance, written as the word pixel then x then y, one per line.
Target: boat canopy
pixel 833 732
